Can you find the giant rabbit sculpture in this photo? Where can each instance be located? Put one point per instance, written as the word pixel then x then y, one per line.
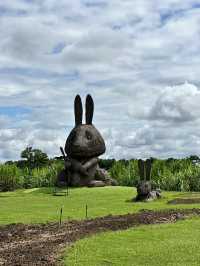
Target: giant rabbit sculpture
pixel 82 148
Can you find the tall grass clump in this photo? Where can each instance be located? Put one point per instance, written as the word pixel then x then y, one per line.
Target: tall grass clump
pixel 125 172
pixel 42 177
pixel 13 177
pixel 171 174
pixel 10 177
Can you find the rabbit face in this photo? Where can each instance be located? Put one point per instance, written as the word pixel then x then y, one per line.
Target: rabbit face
pixel 84 140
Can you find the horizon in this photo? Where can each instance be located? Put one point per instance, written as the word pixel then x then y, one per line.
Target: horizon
pixel 139 61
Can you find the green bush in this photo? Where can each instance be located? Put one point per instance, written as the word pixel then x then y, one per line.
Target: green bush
pixel 10 177
pixel 42 177
pixel 125 173
pixel 171 175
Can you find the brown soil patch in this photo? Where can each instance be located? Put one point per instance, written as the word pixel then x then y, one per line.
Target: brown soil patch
pixel 41 244
pixel 184 201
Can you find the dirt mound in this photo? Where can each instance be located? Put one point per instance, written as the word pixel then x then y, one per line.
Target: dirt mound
pixel 184 201
pixel 41 244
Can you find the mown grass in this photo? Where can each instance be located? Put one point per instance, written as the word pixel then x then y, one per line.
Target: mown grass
pixel 40 205
pixel 155 245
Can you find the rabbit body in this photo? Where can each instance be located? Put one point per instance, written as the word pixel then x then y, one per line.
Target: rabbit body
pixel 81 172
pixel 144 190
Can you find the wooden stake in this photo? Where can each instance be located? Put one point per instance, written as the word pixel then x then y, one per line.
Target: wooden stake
pixel 86 211
pixel 61 212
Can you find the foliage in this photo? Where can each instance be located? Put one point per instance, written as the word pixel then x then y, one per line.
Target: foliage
pixel 171 174
pixel 13 177
pixel 106 163
pixel 125 172
pixel 34 157
pixel 10 177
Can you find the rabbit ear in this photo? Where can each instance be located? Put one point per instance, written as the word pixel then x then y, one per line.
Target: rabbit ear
pixel 141 169
pixel 78 110
pixel 148 169
pixel 89 106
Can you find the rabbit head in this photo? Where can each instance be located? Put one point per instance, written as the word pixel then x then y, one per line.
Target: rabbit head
pixel 84 141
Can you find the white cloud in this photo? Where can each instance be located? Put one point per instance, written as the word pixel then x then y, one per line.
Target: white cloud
pixel 133 57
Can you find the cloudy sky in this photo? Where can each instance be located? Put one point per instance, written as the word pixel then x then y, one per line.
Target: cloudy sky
pixel 140 60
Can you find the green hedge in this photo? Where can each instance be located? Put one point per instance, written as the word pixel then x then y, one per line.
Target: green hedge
pixel 12 177
pixel 171 175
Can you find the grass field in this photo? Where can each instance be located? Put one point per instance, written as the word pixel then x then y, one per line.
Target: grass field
pixel 40 205
pixel 153 245
pixel 166 244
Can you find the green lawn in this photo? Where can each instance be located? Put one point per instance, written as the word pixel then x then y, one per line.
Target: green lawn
pixel 39 205
pixel 153 245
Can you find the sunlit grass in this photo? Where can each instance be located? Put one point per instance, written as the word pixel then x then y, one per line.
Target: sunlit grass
pixel 40 205
pixel 152 245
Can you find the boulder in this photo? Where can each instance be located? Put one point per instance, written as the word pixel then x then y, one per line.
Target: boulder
pixel 103 175
pixel 96 183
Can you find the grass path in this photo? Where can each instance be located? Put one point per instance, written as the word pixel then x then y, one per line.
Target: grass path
pixel 40 206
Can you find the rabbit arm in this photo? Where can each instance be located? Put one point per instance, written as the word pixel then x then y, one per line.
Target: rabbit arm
pixel 76 166
pixel 90 163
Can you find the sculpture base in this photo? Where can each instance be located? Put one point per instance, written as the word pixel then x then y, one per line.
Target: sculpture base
pixel 101 178
pixel 145 193
pixel 152 195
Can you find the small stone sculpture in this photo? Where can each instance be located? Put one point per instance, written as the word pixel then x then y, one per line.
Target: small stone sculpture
pixel 144 192
pixel 83 146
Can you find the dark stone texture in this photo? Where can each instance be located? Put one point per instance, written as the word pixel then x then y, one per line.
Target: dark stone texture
pixel 84 141
pixel 144 190
pixel 82 148
pixel 102 174
pixel 96 183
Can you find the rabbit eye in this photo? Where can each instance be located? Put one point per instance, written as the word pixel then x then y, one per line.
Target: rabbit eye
pixel 88 135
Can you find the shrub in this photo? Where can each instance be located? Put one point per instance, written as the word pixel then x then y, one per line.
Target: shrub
pixel 173 174
pixel 10 177
pixel 125 174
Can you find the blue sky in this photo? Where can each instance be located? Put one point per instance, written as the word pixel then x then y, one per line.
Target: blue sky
pixel 139 60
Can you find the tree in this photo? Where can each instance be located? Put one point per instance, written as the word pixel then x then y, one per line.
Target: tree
pixel 193 158
pixel 34 157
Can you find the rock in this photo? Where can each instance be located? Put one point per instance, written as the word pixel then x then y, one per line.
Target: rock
pixel 96 183
pixel 103 175
pixel 111 182
pixel 151 196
